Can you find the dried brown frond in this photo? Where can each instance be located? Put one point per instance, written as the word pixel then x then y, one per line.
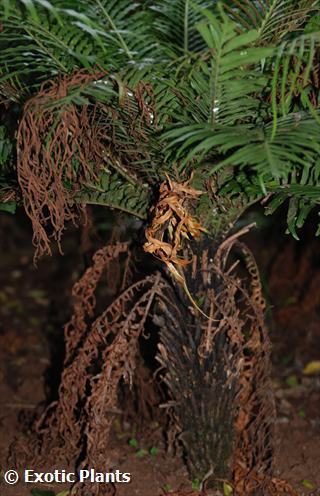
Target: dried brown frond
pixel 58 148
pixel 62 146
pixel 100 353
pixel 83 293
pixel 172 219
pixel 118 362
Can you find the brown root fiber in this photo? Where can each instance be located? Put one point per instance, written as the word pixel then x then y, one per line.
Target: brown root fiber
pixel 58 148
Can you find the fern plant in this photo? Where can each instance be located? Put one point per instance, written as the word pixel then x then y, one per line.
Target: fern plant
pixel 211 106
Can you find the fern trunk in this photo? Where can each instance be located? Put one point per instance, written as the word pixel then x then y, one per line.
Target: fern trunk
pixel 218 369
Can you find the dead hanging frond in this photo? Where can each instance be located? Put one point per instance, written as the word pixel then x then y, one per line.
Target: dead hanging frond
pixel 119 361
pixel 72 150
pixel 171 222
pixel 100 353
pixel 58 148
pixel 83 292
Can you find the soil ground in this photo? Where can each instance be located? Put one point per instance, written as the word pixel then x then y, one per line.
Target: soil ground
pixel 35 302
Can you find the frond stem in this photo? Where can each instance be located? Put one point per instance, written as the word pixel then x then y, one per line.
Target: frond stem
pixel 114 27
pixel 186 26
pixel 38 42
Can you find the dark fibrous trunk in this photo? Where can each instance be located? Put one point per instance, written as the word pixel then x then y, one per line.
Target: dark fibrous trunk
pixel 217 368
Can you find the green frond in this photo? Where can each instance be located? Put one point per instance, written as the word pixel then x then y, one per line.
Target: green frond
pixel 114 191
pixel 273 19
pixel 295 82
pixel 36 48
pixel 224 85
pixel 252 147
pixel 300 190
pixel 175 24
pixel 41 39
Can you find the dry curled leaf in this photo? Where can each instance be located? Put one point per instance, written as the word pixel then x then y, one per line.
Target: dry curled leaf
pixel 172 221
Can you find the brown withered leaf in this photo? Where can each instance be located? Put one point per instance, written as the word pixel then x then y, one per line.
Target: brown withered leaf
pixel 172 221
